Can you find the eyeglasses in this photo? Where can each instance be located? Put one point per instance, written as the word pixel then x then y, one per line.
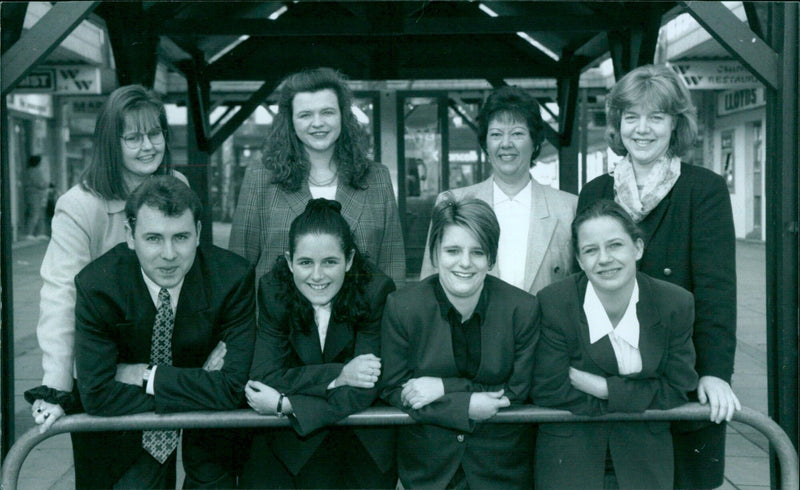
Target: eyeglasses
pixel 133 141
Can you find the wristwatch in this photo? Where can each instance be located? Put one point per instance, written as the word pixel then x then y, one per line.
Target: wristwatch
pixel 146 376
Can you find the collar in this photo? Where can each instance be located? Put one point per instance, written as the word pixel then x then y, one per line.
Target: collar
pixel 154 289
pixel 445 306
pixel 523 197
pixel 599 324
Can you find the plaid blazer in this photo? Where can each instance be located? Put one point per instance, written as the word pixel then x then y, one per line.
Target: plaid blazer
pixel 260 230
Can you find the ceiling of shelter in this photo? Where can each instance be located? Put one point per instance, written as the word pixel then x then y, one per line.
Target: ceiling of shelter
pixel 384 40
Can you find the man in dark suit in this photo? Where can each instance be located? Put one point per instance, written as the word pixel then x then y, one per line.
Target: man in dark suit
pixel 149 314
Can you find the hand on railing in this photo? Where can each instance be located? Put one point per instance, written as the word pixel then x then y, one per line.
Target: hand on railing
pixel 720 397
pixel 45 414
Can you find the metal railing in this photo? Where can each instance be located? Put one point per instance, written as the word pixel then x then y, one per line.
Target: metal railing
pixel 785 451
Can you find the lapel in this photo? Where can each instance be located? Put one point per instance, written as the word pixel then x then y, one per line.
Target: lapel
pixel 353 203
pixel 193 299
pixel 297 200
pixel 485 192
pixel 540 231
pixel 435 352
pixel 307 345
pixel 601 352
pixel 339 337
pixel 140 310
pixel 652 338
pixel 653 220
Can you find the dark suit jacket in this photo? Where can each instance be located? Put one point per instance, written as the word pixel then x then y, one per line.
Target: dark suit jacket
pixel 114 324
pixel 293 363
pixel 260 230
pixel 690 241
pixel 665 314
pixel 417 341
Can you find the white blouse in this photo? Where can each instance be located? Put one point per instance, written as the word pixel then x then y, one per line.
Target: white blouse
pixel 624 338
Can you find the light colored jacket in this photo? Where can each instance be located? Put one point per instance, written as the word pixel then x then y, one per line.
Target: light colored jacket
pixel 549 257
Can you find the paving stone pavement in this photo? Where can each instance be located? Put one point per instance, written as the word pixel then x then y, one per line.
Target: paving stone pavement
pixel 49 466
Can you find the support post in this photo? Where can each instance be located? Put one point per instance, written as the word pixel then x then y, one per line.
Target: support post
pixel 6 294
pixel 198 98
pixel 783 206
pixel 568 145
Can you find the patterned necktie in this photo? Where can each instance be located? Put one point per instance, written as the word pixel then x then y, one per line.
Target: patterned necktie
pixel 161 443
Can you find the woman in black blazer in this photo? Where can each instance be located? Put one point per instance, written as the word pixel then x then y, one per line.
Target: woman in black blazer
pixel 317 361
pixel 457 347
pixel 685 214
pixel 613 340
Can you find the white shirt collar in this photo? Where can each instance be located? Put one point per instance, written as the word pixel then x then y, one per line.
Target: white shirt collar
pixel 599 323
pixel 154 289
pixel 523 197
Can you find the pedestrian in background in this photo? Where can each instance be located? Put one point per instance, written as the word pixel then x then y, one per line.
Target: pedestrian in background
pixel 36 184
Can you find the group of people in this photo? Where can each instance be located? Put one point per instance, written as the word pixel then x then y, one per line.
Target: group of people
pixel 620 300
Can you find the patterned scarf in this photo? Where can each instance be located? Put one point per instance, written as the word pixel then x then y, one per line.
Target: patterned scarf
pixel 657 184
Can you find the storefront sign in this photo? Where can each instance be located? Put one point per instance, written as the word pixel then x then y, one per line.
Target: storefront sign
pixel 732 101
pixel 34 104
pixel 77 80
pixel 83 113
pixel 37 81
pixel 714 75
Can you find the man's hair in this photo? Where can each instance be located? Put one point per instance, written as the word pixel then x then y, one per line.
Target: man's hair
pixel 165 193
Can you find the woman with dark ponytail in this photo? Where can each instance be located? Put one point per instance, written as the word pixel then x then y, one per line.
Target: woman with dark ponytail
pixel 317 360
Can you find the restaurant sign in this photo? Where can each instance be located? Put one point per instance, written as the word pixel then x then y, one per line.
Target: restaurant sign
pixel 714 75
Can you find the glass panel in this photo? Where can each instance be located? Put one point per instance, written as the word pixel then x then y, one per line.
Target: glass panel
pixel 422 144
pixel 464 150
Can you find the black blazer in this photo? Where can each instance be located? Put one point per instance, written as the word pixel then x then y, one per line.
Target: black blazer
pixel 690 241
pixel 417 341
pixel 665 314
pixel 293 363
pixel 114 324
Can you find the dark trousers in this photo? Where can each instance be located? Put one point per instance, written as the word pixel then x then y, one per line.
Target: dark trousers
pixel 102 459
pixel 341 461
pixel 146 472
pixel 699 454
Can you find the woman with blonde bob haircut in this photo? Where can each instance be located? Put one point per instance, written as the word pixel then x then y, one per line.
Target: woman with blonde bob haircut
pixel 685 214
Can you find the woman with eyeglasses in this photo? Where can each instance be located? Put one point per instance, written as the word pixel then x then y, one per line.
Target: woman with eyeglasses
pixel 130 144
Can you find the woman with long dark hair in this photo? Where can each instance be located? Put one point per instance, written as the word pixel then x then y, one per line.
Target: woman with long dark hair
pixel 317 360
pixel 316 149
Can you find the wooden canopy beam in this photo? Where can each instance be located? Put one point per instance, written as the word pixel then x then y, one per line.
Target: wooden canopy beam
pixel 133 42
pixel 197 94
pixel 353 26
pixel 40 40
pixel 13 18
pixel 259 96
pixel 738 39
